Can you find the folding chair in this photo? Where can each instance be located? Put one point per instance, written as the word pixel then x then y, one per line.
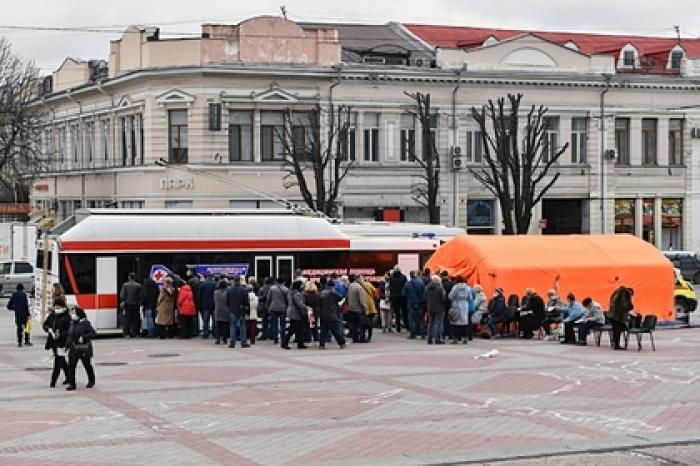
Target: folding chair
pixel 648 326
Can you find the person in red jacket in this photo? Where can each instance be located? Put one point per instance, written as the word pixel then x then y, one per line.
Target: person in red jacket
pixel 187 310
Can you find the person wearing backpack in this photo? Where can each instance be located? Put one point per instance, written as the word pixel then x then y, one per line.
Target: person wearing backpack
pixel 276 304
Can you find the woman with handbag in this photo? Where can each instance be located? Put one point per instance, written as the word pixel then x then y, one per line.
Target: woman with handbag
pixel 57 324
pixel 79 345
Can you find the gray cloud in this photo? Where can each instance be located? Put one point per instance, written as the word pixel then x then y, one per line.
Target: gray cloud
pixel 48 49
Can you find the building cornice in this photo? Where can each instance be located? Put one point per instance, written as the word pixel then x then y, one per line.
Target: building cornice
pixel 396 75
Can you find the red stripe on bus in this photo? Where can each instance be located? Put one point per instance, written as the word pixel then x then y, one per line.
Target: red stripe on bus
pixel 71 277
pixel 165 245
pixel 97 301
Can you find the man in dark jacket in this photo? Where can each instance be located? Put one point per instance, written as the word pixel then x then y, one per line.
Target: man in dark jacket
pixel 206 300
pixel 447 286
pixel 413 290
pixel 328 313
pixel 277 300
pixel 149 303
pixel 397 298
pixel 129 296
pixel 619 313
pixel 238 307
pixel 20 304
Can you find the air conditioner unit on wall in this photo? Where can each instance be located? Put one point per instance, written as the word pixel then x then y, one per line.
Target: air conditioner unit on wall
pixel 695 133
pixel 458 163
pixel 456 151
pixel 610 154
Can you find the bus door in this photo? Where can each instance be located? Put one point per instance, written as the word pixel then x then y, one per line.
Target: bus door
pixel 285 268
pixel 106 299
pixel 263 268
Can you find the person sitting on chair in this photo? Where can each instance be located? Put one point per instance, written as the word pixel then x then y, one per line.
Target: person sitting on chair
pixel 573 312
pixel 552 311
pixel 531 313
pixel 593 318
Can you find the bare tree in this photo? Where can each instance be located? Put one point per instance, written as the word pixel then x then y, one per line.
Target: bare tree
pixel 307 153
pixel 519 179
pixel 20 124
pixel 425 191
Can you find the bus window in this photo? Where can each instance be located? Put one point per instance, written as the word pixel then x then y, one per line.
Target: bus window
pixel 82 268
pixel 285 268
pixel 263 267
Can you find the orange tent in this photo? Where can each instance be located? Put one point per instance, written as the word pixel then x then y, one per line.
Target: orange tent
pixel 587 265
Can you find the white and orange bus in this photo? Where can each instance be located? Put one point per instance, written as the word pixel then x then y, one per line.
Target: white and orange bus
pixel 94 257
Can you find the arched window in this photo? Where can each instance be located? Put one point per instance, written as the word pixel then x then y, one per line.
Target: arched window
pixel 570 44
pixel 675 58
pixel 490 40
pixel 629 57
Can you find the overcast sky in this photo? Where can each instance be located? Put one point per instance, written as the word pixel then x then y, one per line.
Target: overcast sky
pixel 49 48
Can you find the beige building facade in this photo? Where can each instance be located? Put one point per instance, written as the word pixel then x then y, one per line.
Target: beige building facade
pixel 193 123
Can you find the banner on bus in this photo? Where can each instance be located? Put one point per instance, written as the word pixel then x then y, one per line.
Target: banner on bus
pixel 230 270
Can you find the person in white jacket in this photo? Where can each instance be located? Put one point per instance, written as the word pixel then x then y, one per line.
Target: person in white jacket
pixel 251 320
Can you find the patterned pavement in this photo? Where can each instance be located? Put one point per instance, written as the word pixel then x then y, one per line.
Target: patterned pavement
pixel 392 401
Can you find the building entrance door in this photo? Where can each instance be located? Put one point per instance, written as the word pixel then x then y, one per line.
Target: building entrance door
pixel 564 216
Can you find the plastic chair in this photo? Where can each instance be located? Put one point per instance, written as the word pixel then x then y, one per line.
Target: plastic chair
pixel 648 326
pixel 598 332
pixel 635 323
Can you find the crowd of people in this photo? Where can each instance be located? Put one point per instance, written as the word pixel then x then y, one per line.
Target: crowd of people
pixel 234 310
pixel 437 308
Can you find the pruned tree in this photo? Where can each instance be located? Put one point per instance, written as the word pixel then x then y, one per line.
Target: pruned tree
pixel 20 125
pixel 425 191
pixel 316 165
pixel 518 178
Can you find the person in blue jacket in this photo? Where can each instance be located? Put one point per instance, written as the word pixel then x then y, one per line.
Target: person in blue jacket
pixel 413 290
pixel 20 304
pixel 572 312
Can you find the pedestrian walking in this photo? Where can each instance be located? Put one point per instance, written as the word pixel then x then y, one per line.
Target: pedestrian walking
pixel 129 296
pixel 19 302
pixel 329 306
pixel 79 342
pixel 58 295
pixel 56 325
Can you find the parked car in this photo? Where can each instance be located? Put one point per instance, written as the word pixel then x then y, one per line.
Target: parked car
pixel 684 296
pixel 14 272
pixel 688 262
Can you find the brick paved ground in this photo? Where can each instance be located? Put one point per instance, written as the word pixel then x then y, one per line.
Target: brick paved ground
pixel 389 402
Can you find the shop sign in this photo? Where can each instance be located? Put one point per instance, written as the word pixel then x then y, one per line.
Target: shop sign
pixel 177 184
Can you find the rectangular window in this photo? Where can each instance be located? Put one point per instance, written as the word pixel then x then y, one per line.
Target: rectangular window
pixel 75 144
pixel 89 142
pixel 214 117
pixel 105 140
pixel 474 147
pixel 301 126
pixel 649 141
pixel 132 204
pixel 240 136
pixel 648 231
pixel 676 59
pixel 132 137
pixel 434 141
pixel 349 144
pixel 624 216
pixel 271 134
pixel 579 140
pixel 552 138
pixel 672 224
pixel 480 217
pixel 61 147
pixel 371 133
pixel 628 58
pixel 141 148
pixel 622 140
pixel 177 136
pixel 178 204
pixel 408 137
pixel 123 141
pixel 675 141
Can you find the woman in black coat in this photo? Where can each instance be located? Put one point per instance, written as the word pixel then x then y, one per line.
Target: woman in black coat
pixel 57 324
pixel 20 304
pixel 80 337
pixel 531 313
